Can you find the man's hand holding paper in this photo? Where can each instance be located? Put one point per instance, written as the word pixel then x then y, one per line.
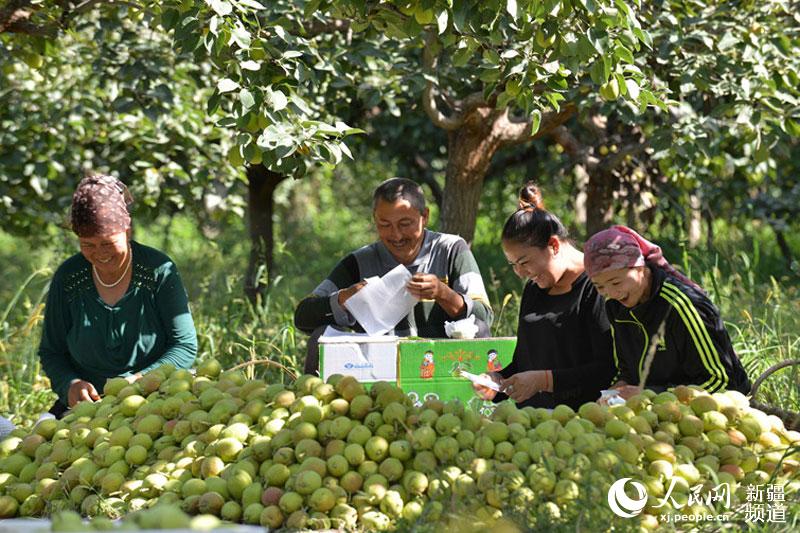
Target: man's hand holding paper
pixel 346 294
pixel 430 287
pixel 382 302
pixel 425 286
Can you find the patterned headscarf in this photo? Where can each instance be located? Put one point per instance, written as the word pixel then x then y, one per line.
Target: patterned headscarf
pixel 621 247
pixel 100 206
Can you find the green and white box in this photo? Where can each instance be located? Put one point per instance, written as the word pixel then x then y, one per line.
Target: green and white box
pixel 424 368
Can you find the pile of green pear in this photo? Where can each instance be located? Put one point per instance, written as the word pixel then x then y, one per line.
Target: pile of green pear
pixel 339 454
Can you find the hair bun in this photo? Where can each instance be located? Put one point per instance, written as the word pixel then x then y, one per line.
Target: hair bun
pixel 530 197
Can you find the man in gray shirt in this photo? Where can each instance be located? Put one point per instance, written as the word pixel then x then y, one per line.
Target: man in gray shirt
pixel 446 278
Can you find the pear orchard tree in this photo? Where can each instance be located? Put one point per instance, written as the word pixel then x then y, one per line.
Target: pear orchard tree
pixel 491 74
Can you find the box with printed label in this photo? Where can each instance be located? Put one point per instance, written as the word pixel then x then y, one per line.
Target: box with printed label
pixel 423 368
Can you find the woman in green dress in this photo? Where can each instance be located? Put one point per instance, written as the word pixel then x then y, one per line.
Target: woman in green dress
pixel 117 308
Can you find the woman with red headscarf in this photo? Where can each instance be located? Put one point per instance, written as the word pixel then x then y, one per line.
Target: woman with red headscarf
pixel 664 326
pixel 117 308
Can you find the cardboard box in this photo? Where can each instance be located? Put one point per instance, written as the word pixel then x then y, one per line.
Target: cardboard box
pixel 423 368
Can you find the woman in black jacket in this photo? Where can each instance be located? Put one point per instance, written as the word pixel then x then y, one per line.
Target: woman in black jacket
pixel 563 352
pixel 658 314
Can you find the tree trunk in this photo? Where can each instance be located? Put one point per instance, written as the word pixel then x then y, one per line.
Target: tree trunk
pixel 470 150
pixel 709 218
pixel 695 229
pixel 261 185
pixel 581 186
pixel 784 246
pixel 599 201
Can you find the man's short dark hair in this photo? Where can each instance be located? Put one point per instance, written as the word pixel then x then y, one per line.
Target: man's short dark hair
pixel 395 189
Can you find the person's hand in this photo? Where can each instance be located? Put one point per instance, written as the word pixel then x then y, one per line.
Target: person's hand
pixel 485 393
pixel 80 391
pixel 426 286
pixel 346 294
pixel 625 391
pixel 133 378
pixel 628 391
pixel 523 385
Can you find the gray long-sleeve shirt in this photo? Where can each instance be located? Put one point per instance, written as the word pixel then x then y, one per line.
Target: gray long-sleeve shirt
pixel 446 256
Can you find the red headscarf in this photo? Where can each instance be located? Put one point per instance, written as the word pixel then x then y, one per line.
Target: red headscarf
pixel 621 247
pixel 100 206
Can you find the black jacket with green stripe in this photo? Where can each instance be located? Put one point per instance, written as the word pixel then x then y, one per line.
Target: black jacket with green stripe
pixel 694 349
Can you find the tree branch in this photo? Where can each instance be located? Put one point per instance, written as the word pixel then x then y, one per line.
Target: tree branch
pixel 613 161
pixel 318 27
pixel 516 132
pixel 471 103
pixel 15 16
pixel 439 119
pixel 580 153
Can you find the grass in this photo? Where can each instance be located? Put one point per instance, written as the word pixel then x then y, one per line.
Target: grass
pixel 759 304
pixel 758 300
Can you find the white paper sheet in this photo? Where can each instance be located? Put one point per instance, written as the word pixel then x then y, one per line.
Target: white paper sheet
pixel 382 302
pixel 480 380
pixel 334 335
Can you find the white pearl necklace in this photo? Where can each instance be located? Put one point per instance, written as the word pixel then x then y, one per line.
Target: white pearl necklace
pixel 111 285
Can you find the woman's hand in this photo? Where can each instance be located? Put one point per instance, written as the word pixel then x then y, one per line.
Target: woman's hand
pixel 628 391
pixel 485 393
pixel 346 294
pixel 625 391
pixel 133 377
pixel 80 391
pixel 523 385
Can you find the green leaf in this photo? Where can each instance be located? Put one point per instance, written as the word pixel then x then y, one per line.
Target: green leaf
pixel 504 99
pixel 551 67
pixel 511 8
pixel 213 103
pixel 226 85
pixel 221 7
pixel 624 54
pixel 345 150
pixel 728 40
pixel 585 48
pixel 633 89
pixel 241 36
pixel 441 22
pixel 252 4
pixel 275 100
pixel 644 37
pixel 311 8
pixel 247 100
pixel 598 71
pixel 461 57
pixel 489 75
pixel 554 99
pixel 169 18
pixel 536 121
pixel 460 15
pixel 792 127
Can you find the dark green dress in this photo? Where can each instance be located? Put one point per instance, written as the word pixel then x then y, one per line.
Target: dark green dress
pixel 84 338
